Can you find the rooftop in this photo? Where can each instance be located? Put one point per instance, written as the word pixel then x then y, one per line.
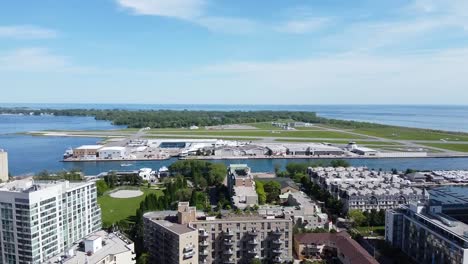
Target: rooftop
pixel 28 185
pixel 90 147
pixel 455 227
pixel 239 170
pixel 351 250
pixel 451 195
pixel 113 148
pixel 174 227
pixel 112 243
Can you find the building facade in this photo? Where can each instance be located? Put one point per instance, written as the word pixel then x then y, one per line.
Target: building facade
pixel 241 186
pixel 427 235
pixel 113 153
pixel 3 166
pixel 86 151
pixel 43 219
pixel 229 239
pixel 363 189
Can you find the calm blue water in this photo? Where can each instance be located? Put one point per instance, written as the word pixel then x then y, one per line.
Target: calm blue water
pixel 268 165
pixel 28 154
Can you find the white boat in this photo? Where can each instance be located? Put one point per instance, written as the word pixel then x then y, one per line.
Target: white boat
pixel 126 165
pixel 68 153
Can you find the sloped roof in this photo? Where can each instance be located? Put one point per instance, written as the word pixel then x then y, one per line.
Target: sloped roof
pixel 344 244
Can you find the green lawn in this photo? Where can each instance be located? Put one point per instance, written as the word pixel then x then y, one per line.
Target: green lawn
pixel 402 133
pixel 371 231
pixel 116 209
pixel 448 146
pixel 202 137
pixel 366 143
pixel 254 133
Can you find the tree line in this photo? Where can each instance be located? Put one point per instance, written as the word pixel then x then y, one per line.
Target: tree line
pixel 72 175
pixel 173 118
pixel 187 118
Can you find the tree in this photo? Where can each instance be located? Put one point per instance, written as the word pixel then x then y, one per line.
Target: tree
pixel 339 163
pixel 357 216
pixel 255 261
pixel 272 190
pixel 143 259
pixel 101 187
pixel 260 192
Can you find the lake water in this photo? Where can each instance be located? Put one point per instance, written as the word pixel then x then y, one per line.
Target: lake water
pixel 29 154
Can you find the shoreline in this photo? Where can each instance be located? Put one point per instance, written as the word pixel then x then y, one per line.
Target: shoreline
pixel 267 158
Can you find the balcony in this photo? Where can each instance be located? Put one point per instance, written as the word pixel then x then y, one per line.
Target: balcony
pixel 253 251
pixel 203 234
pixel 228 242
pixel 228 233
pixel 252 232
pixel 277 259
pixel 253 242
pixel 228 252
pixel 277 242
pixel 277 232
pixel 277 251
pixel 188 249
pixel 204 244
pixel 189 255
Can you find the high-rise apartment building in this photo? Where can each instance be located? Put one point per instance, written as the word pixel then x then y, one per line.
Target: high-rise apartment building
pixel 230 239
pixel 43 219
pixel 3 166
pixel 426 234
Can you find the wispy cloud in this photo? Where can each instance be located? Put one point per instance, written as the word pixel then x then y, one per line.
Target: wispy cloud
pixel 321 79
pixel 193 11
pixel 26 32
pixel 38 60
pixel 181 9
pixel 305 25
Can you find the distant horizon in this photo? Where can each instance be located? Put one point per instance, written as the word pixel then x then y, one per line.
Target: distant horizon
pixel 235 104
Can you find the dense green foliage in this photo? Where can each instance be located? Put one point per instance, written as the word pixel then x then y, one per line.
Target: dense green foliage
pixel 298 170
pixel 73 175
pixel 202 173
pixel 200 200
pixel 172 118
pixel 272 191
pixel 371 218
pixel 357 216
pixel 112 180
pixel 101 187
pixel 260 192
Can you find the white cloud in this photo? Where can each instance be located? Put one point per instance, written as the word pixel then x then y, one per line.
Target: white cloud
pixel 300 26
pixel 26 32
pixel 431 77
pixel 181 9
pixel 38 60
pixel 193 11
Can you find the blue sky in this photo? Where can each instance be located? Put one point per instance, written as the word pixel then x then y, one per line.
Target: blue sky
pixel 231 52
